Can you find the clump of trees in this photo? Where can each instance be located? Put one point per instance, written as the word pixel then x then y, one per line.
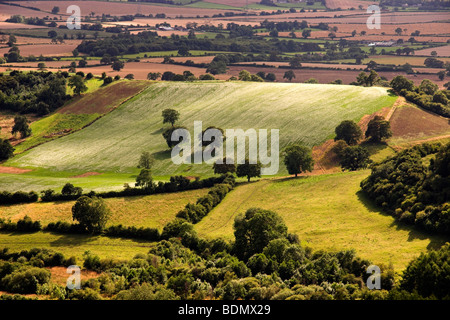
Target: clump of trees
pixel 412 190
pixel 32 92
pixel 6 149
pixel 427 95
pixel 348 134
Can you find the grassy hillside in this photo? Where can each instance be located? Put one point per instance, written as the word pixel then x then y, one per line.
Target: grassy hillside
pixel 304 113
pixel 327 212
pixel 80 111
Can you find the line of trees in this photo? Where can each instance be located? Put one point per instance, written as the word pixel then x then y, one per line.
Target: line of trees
pixel 427 95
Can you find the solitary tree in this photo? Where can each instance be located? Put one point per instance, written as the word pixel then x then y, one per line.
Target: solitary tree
pixel 348 131
pixel 167 134
pixel 170 116
pixel 21 126
pixel 76 82
pixel 306 33
pixel 378 129
pixel 117 65
pixel 298 159
pixel 91 213
pixel 289 75
pixel 248 170
pixel 146 160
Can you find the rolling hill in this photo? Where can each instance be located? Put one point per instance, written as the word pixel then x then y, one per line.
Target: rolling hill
pixel 304 113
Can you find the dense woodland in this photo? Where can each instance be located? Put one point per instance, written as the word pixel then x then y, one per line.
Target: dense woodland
pixel 32 92
pixel 414 186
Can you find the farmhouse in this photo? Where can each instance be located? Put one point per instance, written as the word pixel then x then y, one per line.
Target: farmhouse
pixel 381 44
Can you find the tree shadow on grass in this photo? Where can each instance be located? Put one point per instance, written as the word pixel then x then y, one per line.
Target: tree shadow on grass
pixel 73 239
pixel 162 155
pixel 414 233
pixel 157 132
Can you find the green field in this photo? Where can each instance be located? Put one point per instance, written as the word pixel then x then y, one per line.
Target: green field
pixel 327 212
pixel 75 244
pixel 303 113
pixel 152 211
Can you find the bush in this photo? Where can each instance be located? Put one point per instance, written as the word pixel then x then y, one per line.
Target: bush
pixel 25 280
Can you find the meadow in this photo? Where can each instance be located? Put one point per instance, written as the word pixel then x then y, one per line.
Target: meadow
pixel 326 216
pixel 304 113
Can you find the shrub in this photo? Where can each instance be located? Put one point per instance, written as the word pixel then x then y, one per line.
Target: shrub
pixel 25 280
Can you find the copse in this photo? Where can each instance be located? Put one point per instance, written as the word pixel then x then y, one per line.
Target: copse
pixel 6 149
pixel 224 167
pixel 354 158
pixel 378 129
pixel 255 229
pixel 21 126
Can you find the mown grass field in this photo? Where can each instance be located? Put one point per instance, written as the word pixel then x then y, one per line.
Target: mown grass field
pixel 304 113
pixel 327 212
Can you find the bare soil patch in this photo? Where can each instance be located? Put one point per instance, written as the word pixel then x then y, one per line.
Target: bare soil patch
pixel 60 275
pixel 122 8
pixel 13 170
pixel 412 122
pixel 86 174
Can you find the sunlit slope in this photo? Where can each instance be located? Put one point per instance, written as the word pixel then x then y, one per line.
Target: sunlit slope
pixel 306 113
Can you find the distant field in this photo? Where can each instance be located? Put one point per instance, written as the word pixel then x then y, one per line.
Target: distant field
pixel 75 244
pixel 326 216
pixel 152 211
pixel 303 113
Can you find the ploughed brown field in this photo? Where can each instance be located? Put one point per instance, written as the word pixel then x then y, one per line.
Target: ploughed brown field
pixel 326 76
pixel 348 4
pixel 48 49
pixel 413 122
pixel 109 97
pixel 119 8
pixel 234 3
pixel 7 11
pixel 443 51
pixel 431 28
